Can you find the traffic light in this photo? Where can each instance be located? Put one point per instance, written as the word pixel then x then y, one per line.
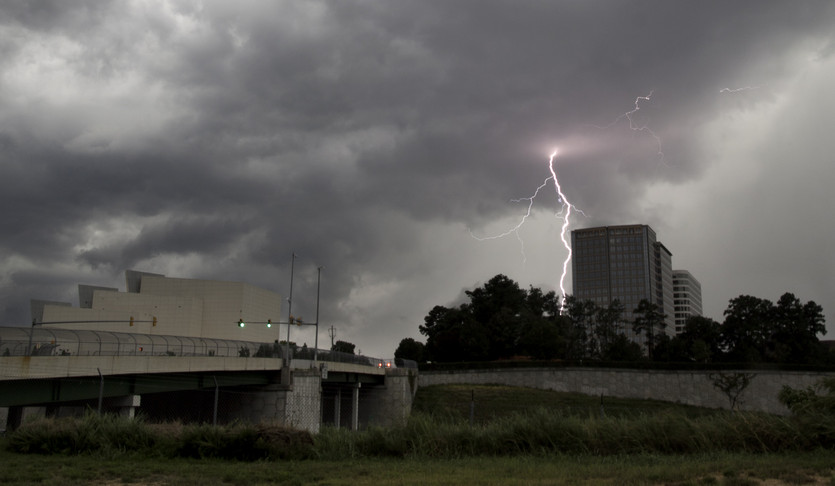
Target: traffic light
pixel 241 323
pixel 269 323
pixel 131 321
pixel 154 321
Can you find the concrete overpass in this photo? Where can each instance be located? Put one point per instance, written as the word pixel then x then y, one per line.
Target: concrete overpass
pixel 62 372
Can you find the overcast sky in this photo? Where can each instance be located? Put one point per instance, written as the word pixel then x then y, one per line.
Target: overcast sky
pixel 377 138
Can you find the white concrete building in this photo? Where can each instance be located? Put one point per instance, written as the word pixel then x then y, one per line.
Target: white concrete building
pixel 687 295
pixel 170 306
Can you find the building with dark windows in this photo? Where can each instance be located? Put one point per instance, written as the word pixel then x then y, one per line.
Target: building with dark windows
pixel 626 263
pixel 687 297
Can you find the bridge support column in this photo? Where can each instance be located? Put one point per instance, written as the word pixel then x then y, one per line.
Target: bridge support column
pixel 126 405
pixel 390 405
pixel 337 408
pixel 14 418
pixel 355 406
pixel 298 405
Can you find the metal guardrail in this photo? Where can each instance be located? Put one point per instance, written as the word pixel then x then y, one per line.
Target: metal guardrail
pixel 41 341
pixel 16 341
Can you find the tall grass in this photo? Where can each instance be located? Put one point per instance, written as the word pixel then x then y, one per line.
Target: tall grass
pixel 547 428
pixel 111 435
pixel 544 432
pixel 106 434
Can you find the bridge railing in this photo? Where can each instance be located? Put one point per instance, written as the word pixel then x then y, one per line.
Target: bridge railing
pixel 41 341
pixel 38 341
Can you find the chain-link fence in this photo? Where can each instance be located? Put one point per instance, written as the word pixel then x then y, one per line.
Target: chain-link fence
pixel 39 341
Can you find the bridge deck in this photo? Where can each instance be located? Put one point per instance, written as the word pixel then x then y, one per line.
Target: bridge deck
pixel 45 367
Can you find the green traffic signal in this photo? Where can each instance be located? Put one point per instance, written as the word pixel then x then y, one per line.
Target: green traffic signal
pixel 241 323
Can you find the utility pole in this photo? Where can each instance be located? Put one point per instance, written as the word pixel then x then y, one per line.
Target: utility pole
pixel 316 343
pixel 290 308
pixel 332 333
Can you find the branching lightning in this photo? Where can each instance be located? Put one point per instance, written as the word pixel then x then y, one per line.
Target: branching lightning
pixel 737 90
pixel 564 213
pixel 638 128
pixel 566 204
pixel 515 229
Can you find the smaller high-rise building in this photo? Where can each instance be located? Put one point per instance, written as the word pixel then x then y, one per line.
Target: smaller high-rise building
pixel 687 297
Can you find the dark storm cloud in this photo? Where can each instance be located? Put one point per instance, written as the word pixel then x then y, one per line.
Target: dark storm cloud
pixel 216 139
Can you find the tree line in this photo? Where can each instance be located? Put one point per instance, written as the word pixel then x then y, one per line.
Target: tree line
pixel 501 320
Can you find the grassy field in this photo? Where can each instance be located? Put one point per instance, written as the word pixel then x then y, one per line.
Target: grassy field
pixel 719 469
pixel 439 447
pixel 491 402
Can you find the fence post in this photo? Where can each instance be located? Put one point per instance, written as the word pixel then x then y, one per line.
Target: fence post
pixel 472 407
pixel 101 388
pixel 217 391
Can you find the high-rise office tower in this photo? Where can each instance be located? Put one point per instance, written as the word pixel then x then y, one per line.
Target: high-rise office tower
pixel 687 297
pixel 626 263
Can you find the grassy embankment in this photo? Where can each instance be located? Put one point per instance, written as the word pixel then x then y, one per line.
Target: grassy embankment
pixel 519 436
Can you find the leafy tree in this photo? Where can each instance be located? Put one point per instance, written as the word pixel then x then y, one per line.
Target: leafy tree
pixel 608 326
pixel 623 349
pixel 756 330
pixel 667 349
pixel 541 339
pixel 747 329
pixel 649 320
pixel 451 335
pixel 580 342
pixel 499 321
pixel 796 329
pixel 411 349
pixel 343 347
pixel 498 308
pixel 700 341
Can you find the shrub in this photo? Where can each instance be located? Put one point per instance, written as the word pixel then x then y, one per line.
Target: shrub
pixel 93 433
pixel 111 435
pixel 815 399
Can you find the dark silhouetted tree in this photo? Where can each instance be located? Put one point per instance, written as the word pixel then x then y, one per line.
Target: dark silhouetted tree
pixel 498 307
pixel 411 349
pixel 608 326
pixel 796 328
pixel 649 320
pixel 541 339
pixel 343 347
pixel 500 321
pixel 747 329
pixel 623 349
pixel 700 341
pixel 579 336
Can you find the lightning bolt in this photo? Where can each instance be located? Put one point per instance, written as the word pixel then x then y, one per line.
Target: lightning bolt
pixel 567 206
pixel 737 90
pixel 515 229
pixel 638 128
pixel 564 213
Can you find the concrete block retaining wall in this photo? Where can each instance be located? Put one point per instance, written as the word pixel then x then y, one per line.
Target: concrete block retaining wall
pixel 304 403
pixel 390 405
pixel 297 406
pixel 687 387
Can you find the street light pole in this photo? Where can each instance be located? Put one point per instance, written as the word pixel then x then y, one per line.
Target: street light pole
pixel 316 339
pixel 290 308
